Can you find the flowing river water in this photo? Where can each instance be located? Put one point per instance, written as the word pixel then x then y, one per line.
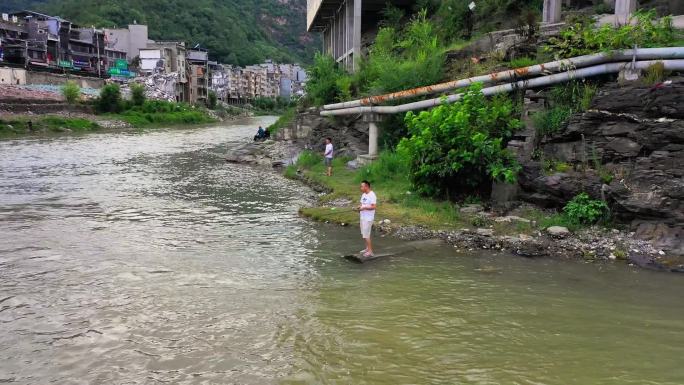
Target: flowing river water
pixel 143 258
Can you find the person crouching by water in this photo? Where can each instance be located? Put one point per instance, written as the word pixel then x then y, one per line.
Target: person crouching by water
pixel 328 155
pixel 367 216
pixel 262 134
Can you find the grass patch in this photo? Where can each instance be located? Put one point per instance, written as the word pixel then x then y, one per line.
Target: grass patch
pixel 396 201
pixel 47 124
pixel 522 62
pixel 140 119
pixel 283 121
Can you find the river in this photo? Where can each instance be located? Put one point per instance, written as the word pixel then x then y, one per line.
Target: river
pixel 143 258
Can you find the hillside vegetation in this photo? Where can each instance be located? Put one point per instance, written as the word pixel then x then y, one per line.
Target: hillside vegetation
pixel 235 31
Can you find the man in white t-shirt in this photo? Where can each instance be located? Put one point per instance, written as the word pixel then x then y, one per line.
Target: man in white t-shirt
pixel 328 155
pixel 367 216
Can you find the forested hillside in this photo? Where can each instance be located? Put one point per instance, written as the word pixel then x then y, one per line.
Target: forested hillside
pixel 235 31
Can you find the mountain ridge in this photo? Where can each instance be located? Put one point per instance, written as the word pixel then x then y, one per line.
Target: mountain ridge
pixel 234 31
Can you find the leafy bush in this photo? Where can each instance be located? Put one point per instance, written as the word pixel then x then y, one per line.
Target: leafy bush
pixel 654 74
pixel 582 37
pixel 460 148
pixel 212 100
pixel 584 210
pixel 71 92
pixel 321 86
pixel 138 94
pixel 402 59
pixel 109 99
pixel 566 99
pixel 552 120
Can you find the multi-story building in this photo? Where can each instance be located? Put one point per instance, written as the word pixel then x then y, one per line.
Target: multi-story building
pixel 130 40
pixel 198 75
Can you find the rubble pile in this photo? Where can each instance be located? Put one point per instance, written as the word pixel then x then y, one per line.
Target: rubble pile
pixel 157 86
pixel 15 92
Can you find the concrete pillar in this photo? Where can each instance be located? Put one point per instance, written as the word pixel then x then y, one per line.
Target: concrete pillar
pixel 357 34
pixel 624 10
pixel 552 11
pixel 372 140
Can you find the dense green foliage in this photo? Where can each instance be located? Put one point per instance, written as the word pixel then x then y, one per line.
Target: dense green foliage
pixel 582 37
pixel 398 60
pixel 584 210
pixel 212 100
pixel 455 149
pixel 149 112
pixel 71 92
pixel 138 94
pixel 161 112
pixel 277 105
pixel 235 31
pixel 566 100
pixel 325 79
pixel 109 99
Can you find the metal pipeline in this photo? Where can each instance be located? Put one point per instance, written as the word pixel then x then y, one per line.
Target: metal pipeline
pixel 544 81
pixel 518 73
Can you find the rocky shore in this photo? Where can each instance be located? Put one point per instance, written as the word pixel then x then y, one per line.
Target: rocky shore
pixel 626 149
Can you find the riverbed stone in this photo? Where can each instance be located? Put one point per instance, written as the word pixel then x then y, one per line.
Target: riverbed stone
pixel 558 231
pixel 485 232
pixel 471 209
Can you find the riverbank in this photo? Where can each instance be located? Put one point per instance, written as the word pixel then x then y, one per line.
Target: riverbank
pixel 526 231
pixel 16 125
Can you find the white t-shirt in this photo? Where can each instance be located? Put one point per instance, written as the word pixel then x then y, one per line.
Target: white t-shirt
pixel 329 151
pixel 367 200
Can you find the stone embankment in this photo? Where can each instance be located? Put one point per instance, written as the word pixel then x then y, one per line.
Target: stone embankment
pixel 627 149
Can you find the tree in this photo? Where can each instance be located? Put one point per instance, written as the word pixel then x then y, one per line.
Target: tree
pixel 212 101
pixel 138 94
pixel 71 92
pixel 457 149
pixel 110 99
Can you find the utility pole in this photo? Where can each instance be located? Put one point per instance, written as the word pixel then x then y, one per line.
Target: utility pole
pixel 97 45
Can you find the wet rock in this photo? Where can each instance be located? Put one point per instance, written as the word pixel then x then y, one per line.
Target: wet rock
pixel 670 238
pixel 558 231
pixel 485 232
pixel 511 218
pixel 471 209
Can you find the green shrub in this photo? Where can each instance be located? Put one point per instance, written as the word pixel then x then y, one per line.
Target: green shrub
pixel 460 148
pixel 582 37
pixel 654 74
pixel 552 166
pixel 71 92
pixel 212 100
pixel 584 210
pixel 551 121
pixel 321 86
pixel 138 94
pixel 109 99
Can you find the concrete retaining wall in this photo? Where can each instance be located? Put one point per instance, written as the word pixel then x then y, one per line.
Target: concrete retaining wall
pixel 57 79
pixel 16 76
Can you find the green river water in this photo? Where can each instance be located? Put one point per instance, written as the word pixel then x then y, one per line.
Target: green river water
pixel 143 258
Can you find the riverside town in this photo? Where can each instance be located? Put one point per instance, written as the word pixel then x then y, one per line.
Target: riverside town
pixel 292 192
